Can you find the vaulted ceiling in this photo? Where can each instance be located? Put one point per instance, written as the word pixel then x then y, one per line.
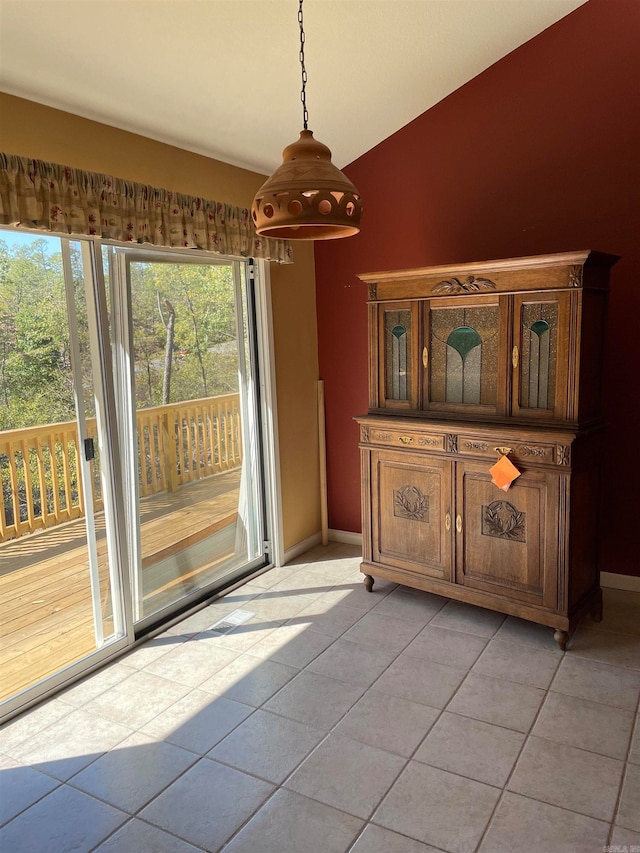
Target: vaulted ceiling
pixel 222 78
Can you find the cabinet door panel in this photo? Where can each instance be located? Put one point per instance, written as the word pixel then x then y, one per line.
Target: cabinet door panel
pixel 508 542
pixel 412 512
pixel 465 344
pixel 540 355
pixel 398 355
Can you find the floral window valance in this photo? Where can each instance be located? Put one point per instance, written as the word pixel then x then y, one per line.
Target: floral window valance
pixel 50 197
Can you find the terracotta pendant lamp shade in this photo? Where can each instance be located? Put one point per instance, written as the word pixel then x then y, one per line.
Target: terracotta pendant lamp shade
pixel 307 197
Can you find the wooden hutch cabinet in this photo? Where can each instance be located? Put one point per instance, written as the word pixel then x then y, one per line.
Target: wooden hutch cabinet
pixel 468 364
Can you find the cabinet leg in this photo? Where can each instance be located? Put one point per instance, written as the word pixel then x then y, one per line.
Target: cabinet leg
pixel 596 610
pixel 561 638
pixel 368 583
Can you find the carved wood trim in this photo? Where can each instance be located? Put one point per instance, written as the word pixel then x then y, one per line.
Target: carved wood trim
pixel 575 276
pixel 470 285
pixel 476 445
pixel 409 502
pixel 367 533
pixel 532 450
pixel 364 433
pixel 563 454
pixel 504 521
pixel 563 544
pixel 373 290
pixel 451 443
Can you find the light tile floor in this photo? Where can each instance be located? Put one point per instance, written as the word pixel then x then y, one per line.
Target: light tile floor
pixel 338 720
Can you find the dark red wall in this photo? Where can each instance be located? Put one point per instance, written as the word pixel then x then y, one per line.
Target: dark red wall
pixel 540 153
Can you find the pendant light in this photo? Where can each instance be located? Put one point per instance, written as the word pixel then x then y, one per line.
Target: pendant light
pixel 307 197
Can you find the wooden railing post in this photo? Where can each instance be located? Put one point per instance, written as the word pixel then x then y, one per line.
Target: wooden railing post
pixel 170 455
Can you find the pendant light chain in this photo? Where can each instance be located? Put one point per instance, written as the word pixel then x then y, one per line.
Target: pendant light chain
pixel 303 93
pixel 307 197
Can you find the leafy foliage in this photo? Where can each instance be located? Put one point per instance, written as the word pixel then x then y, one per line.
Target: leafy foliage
pixel 36 384
pixel 204 352
pixel 36 377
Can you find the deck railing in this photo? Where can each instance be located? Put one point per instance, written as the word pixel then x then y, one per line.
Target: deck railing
pixel 177 444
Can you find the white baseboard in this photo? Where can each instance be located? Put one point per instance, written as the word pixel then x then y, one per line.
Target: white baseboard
pixel 301 547
pixel 607 579
pixel 614 581
pixel 334 536
pixel 345 536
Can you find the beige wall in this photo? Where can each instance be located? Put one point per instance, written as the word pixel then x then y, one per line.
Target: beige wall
pixel 296 344
pixel 32 130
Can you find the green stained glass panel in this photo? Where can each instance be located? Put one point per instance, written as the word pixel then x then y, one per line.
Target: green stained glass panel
pixel 463 340
pixel 463 355
pixel 397 354
pixel 539 355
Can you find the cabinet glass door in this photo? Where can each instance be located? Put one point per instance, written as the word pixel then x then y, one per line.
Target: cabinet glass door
pixel 465 371
pixel 540 356
pixel 398 366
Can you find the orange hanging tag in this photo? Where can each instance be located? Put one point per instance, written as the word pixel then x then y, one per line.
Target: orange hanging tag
pixel 503 473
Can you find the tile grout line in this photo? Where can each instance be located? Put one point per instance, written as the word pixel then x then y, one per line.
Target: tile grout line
pixel 430 729
pixel 277 787
pixel 635 727
pixel 69 782
pixel 406 760
pixel 332 731
pixel 34 802
pixel 135 817
pixel 516 762
pixel 441 711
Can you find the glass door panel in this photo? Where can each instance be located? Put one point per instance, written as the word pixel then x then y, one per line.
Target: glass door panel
pixel 398 355
pixel 463 341
pixel 194 469
pixel 56 592
pixel 540 356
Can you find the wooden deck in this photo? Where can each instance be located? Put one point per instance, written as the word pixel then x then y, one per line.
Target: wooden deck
pixel 45 594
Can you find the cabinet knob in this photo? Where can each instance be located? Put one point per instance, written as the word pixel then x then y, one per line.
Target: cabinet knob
pixel 447 522
pixel 425 356
pixel 459 523
pixel 405 439
pixel 515 357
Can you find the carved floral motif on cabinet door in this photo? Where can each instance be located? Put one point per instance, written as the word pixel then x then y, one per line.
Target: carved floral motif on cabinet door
pixel 503 520
pixel 409 502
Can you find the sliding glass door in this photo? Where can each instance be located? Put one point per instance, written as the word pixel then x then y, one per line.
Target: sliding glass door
pixel 60 588
pixel 131 449
pixel 186 378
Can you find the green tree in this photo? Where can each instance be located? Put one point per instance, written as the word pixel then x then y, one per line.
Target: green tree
pixel 35 366
pixel 204 330
pixel 36 384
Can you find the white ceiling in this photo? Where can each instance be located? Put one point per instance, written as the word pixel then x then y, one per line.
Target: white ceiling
pixel 221 77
